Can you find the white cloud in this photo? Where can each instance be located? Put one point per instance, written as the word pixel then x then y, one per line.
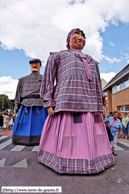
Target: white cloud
pixel 127 48
pixel 126 56
pixel 102 69
pixel 8 86
pixel 39 27
pixel 107 76
pixel 112 44
pixel 112 60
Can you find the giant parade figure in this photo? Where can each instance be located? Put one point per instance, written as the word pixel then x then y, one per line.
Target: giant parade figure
pixel 32 115
pixel 74 138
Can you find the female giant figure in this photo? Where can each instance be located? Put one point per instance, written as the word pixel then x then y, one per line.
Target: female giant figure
pixel 74 138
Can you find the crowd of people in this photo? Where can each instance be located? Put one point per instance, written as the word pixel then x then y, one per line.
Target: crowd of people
pixel 7 120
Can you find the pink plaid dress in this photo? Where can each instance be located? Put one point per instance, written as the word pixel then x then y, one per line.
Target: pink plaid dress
pixel 74 140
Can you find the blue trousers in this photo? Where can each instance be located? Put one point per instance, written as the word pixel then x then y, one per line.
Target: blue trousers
pixel 125 130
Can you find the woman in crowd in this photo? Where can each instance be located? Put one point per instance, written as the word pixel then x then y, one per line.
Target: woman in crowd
pixel 119 117
pixel 115 125
pixel 125 120
pixel 6 120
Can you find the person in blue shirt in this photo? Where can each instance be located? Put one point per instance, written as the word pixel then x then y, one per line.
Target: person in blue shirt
pixel 127 126
pixel 115 124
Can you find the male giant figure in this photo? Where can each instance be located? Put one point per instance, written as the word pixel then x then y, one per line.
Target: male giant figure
pixel 32 115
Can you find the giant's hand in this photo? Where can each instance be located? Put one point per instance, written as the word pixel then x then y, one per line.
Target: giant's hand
pixel 50 110
pixel 104 101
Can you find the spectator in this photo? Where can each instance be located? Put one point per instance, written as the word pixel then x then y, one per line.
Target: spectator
pixel 125 120
pixel 11 121
pixel 111 114
pixel 6 120
pixel 127 126
pixel 16 112
pixel 119 117
pixel 115 124
pixel 1 120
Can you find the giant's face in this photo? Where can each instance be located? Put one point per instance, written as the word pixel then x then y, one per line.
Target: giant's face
pixel 77 41
pixel 35 66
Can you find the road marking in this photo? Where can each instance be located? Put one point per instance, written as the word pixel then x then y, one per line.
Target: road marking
pixel 123 142
pixel 3 137
pixel 22 163
pixel 36 148
pixel 3 145
pixel 118 148
pixel 18 148
pixel 2 162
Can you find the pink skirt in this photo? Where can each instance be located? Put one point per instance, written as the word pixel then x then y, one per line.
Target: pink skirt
pixel 75 143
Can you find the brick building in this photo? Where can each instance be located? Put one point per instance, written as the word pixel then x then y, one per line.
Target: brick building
pixel 117 91
pixel 103 82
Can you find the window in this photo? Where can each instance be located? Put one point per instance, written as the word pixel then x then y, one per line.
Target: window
pixel 118 87
pixel 123 108
pixel 127 108
pixel 126 83
pixel 121 86
pixel 114 89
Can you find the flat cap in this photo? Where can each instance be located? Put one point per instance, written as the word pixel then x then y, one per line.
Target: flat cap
pixel 35 60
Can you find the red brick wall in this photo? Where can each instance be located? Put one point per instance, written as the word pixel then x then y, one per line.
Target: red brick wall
pixel 120 98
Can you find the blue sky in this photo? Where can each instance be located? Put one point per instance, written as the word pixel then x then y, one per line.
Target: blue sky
pixel 33 29
pixel 14 63
pixel 119 36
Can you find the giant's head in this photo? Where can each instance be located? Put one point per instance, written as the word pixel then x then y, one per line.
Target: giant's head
pixel 35 65
pixel 76 39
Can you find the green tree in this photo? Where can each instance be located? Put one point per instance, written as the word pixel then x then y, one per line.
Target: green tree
pixel 5 102
pixel 12 103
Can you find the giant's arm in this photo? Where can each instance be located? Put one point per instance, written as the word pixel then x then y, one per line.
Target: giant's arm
pixel 47 86
pixel 104 97
pixel 18 94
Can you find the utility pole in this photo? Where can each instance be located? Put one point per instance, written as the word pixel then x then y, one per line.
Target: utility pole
pixel 3 103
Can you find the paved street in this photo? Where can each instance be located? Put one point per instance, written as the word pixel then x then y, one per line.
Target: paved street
pixel 19 167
